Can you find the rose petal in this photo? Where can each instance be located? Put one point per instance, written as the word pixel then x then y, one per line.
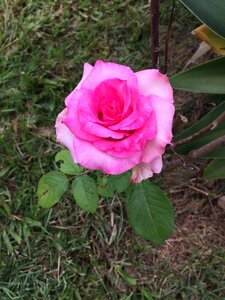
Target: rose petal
pixel 141 110
pixel 153 82
pixel 141 172
pixel 97 107
pixel 63 134
pixel 86 71
pixel 80 124
pixel 108 70
pixel 87 155
pixel 135 142
pixel 164 113
pixel 152 150
pixel 156 165
pixel 71 118
pixel 90 157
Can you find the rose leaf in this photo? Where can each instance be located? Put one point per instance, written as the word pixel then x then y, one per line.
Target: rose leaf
pixel 50 189
pixel 67 165
pixel 150 212
pixel 84 191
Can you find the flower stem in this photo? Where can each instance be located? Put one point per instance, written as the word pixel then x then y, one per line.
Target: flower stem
pixel 155 33
pixel 168 37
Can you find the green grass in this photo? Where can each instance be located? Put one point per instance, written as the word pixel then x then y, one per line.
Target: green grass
pixel 63 253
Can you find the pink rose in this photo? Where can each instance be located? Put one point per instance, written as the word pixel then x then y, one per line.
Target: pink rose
pixel 116 120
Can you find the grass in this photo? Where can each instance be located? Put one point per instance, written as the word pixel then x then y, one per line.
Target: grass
pixel 63 253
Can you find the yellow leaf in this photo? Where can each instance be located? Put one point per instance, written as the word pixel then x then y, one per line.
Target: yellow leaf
pixel 216 42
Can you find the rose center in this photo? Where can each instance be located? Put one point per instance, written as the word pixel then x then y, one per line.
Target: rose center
pixel 109 98
pixel 110 110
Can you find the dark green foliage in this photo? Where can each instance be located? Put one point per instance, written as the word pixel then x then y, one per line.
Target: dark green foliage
pixel 150 212
pixel 84 191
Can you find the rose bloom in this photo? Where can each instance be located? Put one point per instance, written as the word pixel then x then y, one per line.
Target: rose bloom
pixel 116 120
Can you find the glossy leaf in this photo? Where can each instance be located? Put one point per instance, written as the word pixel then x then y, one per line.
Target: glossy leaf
pixel 85 193
pixel 207 119
pixel 210 12
pixel 150 212
pixel 205 78
pixel 215 170
pixel 51 187
pixel 218 153
pixel 67 165
pixel 216 42
pixel 208 137
pixel 205 138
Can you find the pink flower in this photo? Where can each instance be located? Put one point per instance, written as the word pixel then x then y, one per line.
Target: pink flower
pixel 116 120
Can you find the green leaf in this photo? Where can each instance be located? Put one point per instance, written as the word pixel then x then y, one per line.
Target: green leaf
pixel 130 280
pixel 149 295
pixel 32 222
pixel 202 140
pixel 7 242
pixel 218 154
pixel 208 137
pixel 129 297
pixel 207 119
pixel 51 187
pixel 16 237
pixel 85 193
pixel 150 212
pixel 26 231
pixel 215 170
pixel 108 185
pixel 210 12
pixel 205 78
pixel 121 181
pixel 6 208
pixel 67 165
pixel 4 171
